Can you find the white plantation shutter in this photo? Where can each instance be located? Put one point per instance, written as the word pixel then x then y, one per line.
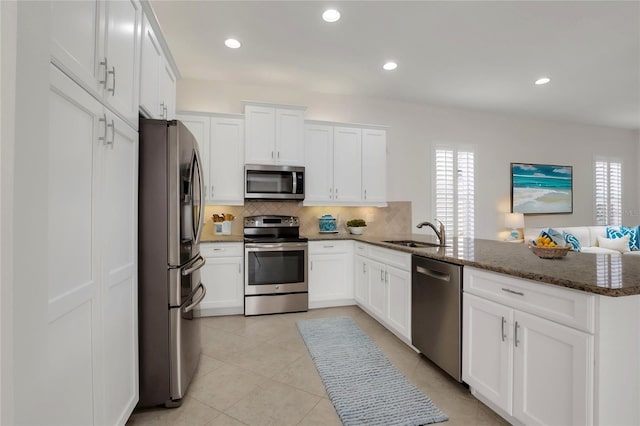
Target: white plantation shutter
pixel 608 192
pixel 454 190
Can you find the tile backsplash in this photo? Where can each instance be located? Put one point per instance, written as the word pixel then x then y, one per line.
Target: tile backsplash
pixel 395 218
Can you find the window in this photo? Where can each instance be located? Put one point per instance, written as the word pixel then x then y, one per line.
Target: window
pixel 608 191
pixel 454 189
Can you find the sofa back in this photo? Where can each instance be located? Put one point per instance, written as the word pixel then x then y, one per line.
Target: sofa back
pixel 587 235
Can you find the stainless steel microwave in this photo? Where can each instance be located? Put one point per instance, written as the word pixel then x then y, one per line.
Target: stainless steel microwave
pixel 265 182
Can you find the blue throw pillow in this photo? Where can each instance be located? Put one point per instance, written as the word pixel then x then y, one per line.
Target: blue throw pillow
pixel 556 236
pixel 631 231
pixel 571 239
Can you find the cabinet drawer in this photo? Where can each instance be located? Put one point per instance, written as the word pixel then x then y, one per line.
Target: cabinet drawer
pixel 221 249
pixel 330 246
pixel 390 257
pixel 570 307
pixel 362 249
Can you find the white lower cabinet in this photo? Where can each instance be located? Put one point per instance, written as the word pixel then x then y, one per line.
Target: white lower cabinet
pixel 330 273
pixel 533 370
pixel 383 287
pixel 223 277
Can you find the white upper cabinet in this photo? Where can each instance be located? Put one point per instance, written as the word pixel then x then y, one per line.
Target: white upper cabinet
pixel 347 164
pixel 150 64
pixel 157 79
pixel 344 165
pixel 221 141
pixel 97 43
pixel 374 166
pixel 274 135
pixel 318 148
pixel 226 153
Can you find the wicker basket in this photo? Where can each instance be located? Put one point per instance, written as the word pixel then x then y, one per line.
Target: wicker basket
pixel 549 252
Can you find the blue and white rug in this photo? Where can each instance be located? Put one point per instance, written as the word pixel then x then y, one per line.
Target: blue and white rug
pixel 363 385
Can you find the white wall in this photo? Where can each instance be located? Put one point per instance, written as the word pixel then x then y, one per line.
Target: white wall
pixel 414 127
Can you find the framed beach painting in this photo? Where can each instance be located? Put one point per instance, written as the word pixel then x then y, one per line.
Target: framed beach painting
pixel 541 188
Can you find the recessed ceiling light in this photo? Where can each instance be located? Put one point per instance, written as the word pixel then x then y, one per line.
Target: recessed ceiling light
pixel 390 66
pixel 543 80
pixel 331 15
pixel 232 43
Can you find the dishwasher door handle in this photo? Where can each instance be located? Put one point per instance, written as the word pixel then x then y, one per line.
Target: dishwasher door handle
pixel 433 274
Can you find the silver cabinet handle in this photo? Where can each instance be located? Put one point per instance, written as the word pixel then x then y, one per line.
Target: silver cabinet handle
pixel 336 193
pixel 113 88
pixel 272 155
pixel 327 246
pixel 508 290
pixel 113 134
pixel 103 138
pixel 104 80
pixel 364 268
pixel 515 336
pixel 164 109
pixel 166 112
pixel 278 155
pixel 381 275
pixel 311 265
pixel 196 301
pixel 212 193
pixel 365 194
pixel 218 249
pixel 239 268
pixel 386 277
pixel 504 336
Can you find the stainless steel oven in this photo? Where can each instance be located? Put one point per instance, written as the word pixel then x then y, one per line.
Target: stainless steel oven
pixel 275 266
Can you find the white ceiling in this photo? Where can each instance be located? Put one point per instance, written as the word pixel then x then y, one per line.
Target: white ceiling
pixel 473 54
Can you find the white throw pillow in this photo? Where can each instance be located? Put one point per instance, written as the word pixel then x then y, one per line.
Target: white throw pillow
pixel 618 244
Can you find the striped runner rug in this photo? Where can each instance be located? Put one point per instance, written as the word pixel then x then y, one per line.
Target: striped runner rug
pixel 363 385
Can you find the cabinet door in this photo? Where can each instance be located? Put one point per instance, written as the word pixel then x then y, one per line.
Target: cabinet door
pixel 74 334
pixel 377 288
pixel 347 164
pixel 374 166
pixel 150 65
pixel 330 277
pixel 199 126
pixel 119 230
pixel 318 141
pixel 167 91
pixel 223 278
pixel 77 37
pixel 487 349
pixel 398 297
pixel 290 137
pixel 361 281
pixel 122 50
pixel 553 377
pixel 226 155
pixel 260 134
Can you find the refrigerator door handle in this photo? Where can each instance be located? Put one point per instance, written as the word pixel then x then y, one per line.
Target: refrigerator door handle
pixel 202 196
pixel 197 301
pixel 194 266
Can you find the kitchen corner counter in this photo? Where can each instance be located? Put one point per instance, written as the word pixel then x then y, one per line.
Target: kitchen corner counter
pixel 605 274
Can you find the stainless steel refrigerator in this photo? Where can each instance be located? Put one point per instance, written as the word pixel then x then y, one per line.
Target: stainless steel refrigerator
pixel 171 213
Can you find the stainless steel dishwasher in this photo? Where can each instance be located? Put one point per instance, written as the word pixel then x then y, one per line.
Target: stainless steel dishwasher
pixel 436 299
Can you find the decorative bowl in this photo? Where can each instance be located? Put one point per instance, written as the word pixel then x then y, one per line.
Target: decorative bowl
pixel 549 252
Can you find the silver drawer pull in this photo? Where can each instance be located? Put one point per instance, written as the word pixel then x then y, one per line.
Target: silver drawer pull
pixel 328 246
pixel 508 290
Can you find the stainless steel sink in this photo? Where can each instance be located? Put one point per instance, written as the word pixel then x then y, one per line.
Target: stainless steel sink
pixel 415 244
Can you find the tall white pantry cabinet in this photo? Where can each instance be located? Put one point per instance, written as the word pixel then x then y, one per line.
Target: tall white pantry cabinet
pixel 75 313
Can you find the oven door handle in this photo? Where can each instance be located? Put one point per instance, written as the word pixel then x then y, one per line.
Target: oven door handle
pixel 276 245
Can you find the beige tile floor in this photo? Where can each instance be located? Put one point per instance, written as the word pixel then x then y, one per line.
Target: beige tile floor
pixel 257 371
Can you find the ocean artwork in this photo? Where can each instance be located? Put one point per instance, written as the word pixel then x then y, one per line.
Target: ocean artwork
pixel 541 188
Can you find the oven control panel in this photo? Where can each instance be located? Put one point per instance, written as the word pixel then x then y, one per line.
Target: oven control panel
pixel 271 221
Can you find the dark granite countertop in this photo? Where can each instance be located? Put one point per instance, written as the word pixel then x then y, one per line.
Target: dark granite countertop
pixel 606 274
pixel 609 275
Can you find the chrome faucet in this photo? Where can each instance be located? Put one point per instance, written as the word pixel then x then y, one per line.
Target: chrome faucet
pixel 439 233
